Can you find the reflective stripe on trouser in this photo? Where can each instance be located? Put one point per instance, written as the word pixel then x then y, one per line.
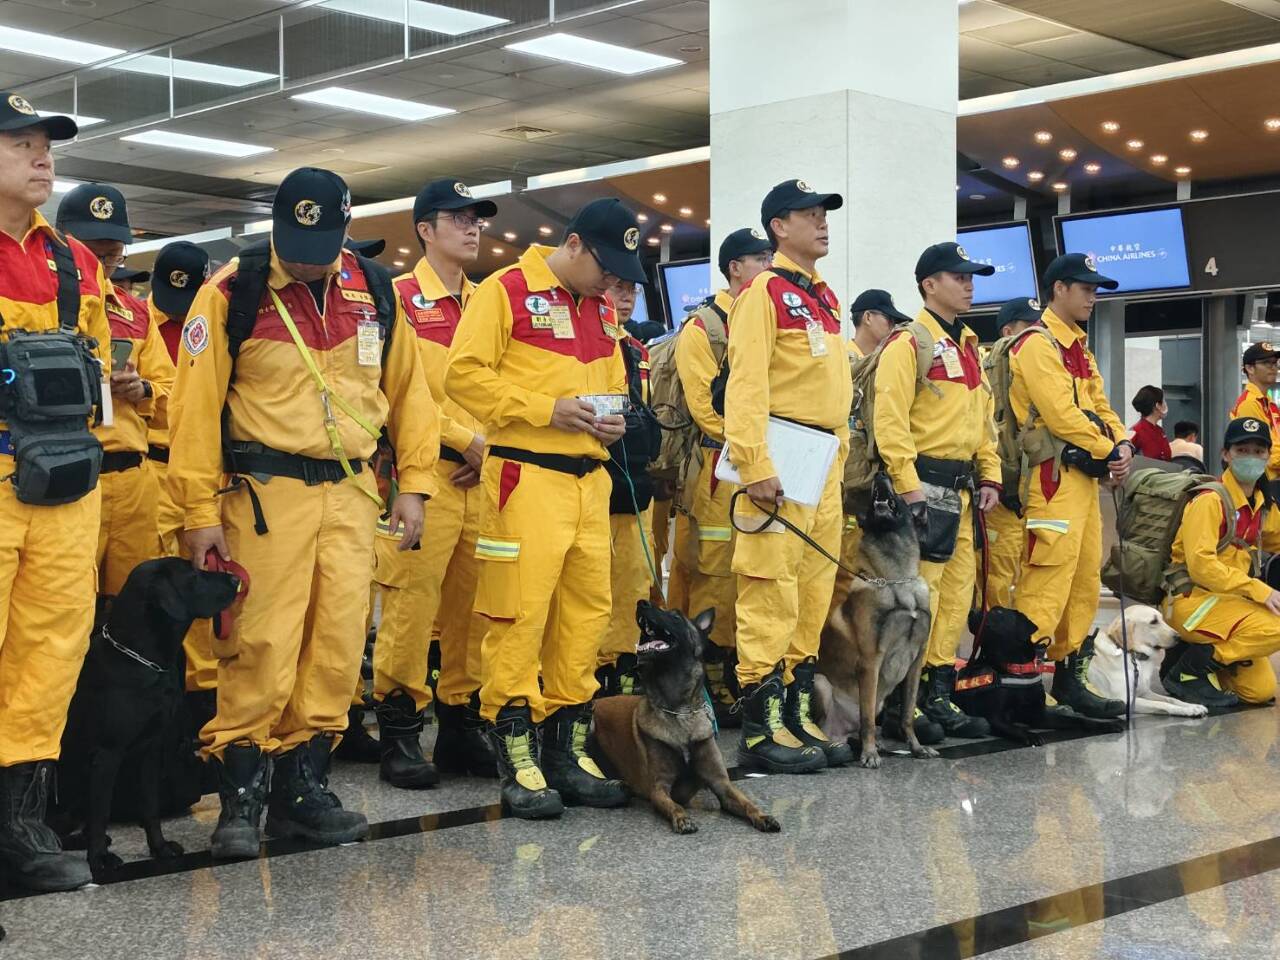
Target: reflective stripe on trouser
pixel 1061 576
pixel 1240 630
pixel 543 585
pixel 950 591
pixel 128 528
pixel 784 585
pixel 850 542
pixel 678 575
pixel 629 583
pixel 288 668
pixel 711 579
pixel 1006 540
pixel 48 581
pixel 423 588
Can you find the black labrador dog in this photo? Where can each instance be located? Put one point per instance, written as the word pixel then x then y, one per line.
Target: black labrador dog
pixel 127 698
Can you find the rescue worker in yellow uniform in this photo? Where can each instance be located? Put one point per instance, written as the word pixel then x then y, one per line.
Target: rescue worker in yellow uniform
pixel 743 255
pixel 937 441
pixel 787 358
pixel 633 564
pixel 1229 614
pixel 142 377
pixel 47 551
pixel 1005 528
pixel 537 360
pixel 319 368
pixel 1057 378
pixel 436 585
pixel 1259 364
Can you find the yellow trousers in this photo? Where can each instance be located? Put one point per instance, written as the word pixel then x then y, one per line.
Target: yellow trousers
pixel 47 587
pixel 711 579
pixel 850 544
pixel 1244 635
pixel 128 525
pixel 426 587
pixel 1006 540
pixel 168 514
pixel 286 672
pixel 629 582
pixel 950 591
pixel 678 576
pixel 784 585
pixel 543 585
pixel 1061 574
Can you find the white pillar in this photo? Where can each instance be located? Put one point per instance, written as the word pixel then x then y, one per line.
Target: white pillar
pixel 853 96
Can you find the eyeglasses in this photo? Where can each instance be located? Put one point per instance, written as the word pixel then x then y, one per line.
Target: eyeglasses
pixel 112 262
pixel 464 222
pixel 610 278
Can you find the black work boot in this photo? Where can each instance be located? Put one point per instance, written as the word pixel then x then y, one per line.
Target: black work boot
pixel 766 742
pixel 718 665
pixel 525 793
pixel 461 745
pixel 1171 658
pixel 399 728
pixel 1194 678
pixel 570 770
pixel 798 716
pixel 242 788
pixel 301 804
pixel 1071 686
pixel 357 746
pixel 927 731
pixel 936 685
pixel 626 675
pixel 29 850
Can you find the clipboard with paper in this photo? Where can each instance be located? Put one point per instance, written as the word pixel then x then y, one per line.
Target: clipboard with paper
pixel 802 455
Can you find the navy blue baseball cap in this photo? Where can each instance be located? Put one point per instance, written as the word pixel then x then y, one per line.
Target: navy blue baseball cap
pixel 1019 308
pixel 125 275
pixel 612 234
pixel 1245 430
pixel 741 243
pixel 367 248
pixel 180 270
pixel 949 258
pixel 795 195
pixel 310 216
pixel 449 194
pixel 95 211
pixel 1078 267
pixel 881 302
pixel 16 113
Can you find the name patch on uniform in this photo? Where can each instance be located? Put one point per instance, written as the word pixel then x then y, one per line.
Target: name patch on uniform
pixel 195 335
pixel 536 305
pixel 359 296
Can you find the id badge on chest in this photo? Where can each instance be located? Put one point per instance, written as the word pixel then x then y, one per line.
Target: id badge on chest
pixel 369 343
pixel 951 360
pixel 561 322
pixel 817 338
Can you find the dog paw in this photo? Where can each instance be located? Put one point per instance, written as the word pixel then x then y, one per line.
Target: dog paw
pixel 683 823
pixel 925 753
pixel 1197 710
pixel 168 850
pixel 767 824
pixel 103 864
pixel 870 759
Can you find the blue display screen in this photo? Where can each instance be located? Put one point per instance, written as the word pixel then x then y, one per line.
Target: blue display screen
pixel 685 285
pixel 1145 250
pixel 1008 249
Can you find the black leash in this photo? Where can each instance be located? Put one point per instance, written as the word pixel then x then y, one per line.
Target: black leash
pixel 1124 627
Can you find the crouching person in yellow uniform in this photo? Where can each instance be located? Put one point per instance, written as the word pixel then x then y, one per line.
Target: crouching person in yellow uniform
pixel 47 537
pixel 534 341
pixel 787 358
pixel 306 347
pixel 1230 617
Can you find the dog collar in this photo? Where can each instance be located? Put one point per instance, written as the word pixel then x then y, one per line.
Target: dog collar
pixel 130 653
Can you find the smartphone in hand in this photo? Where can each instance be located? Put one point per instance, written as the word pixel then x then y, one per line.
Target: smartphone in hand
pixel 121 351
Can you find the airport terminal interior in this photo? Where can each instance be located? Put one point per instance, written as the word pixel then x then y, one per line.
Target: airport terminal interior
pixel 1143 134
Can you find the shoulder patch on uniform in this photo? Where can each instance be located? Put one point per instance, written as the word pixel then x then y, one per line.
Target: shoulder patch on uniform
pixel 195 335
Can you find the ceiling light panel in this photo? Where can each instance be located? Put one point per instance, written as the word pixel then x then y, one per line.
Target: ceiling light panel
pixel 183 141
pixel 434 17
pixel 81 121
pixel 592 53
pixel 344 98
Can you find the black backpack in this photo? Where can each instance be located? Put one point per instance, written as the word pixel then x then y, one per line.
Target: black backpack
pixel 629 457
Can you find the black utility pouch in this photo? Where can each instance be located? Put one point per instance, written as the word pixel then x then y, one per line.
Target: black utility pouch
pixel 944 507
pixel 53 468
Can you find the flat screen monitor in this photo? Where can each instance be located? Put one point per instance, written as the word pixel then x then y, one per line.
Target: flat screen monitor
pixel 1007 247
pixel 1144 250
pixel 684 284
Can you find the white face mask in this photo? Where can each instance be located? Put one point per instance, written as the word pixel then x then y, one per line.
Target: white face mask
pixel 1248 470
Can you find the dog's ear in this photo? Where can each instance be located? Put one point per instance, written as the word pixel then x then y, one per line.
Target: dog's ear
pixel 169 591
pixel 705 620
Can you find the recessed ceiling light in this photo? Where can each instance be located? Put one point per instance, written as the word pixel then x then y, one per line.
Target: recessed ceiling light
pixel 642 217
pixel 1272 124
pixel 1092 168
pixel 184 141
pixel 1067 154
pixel 1182 171
pixel 333 150
pixel 1044 136
pixel 422 15
pixel 653 241
pixel 977 196
pixel 1110 126
pixel 1134 145
pixel 667 228
pixel 509 236
pixel 497 251
pixel 686 211
pixel 545 231
pixel 1159 159
pixel 81 121
pixel 64 186
pixel 708 221
pixel 402 249
pixel 344 98
pixel 593 53
pixel 1035 176
pixel 1010 163
pixel 1199 136
pixel 1060 187
pixel 659 198
pixel 397 263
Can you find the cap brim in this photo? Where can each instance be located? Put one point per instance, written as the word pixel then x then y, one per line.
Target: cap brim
pixel 484 208
pixel 125 275
pixel 1097 279
pixel 828 201
pixel 366 248
pixel 622 264
pixel 57 126
pixel 314 247
pixel 176 303
pixel 96 230
pixel 894 314
pixel 968 266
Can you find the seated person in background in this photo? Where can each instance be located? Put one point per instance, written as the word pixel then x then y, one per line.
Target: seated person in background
pixel 1230 618
pixel 1186 442
pixel 1147 434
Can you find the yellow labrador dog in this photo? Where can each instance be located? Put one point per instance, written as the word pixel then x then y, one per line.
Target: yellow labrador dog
pixel 1149 639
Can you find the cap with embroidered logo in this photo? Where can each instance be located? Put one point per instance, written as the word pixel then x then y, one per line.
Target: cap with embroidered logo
pixel 449 194
pixel 881 302
pixel 612 234
pixel 795 195
pixel 1247 430
pixel 16 113
pixel 1258 352
pixel 949 258
pixel 94 211
pixel 309 216
pixel 180 269
pixel 741 243
pixel 1077 268
pixel 1019 308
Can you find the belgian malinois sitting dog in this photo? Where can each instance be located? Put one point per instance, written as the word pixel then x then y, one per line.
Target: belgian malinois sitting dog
pixel 662 743
pixel 877 637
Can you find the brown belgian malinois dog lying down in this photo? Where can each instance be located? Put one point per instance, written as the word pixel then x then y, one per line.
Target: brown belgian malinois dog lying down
pixel 662 743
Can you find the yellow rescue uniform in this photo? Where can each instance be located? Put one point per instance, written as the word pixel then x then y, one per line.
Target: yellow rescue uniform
pixel 1006 540
pixel 1252 402
pixel 287 670
pixel 128 531
pixel 525 342
pixel 1061 575
pixel 1225 605
pixel 710 533
pixel 435 585
pixel 47 570
pixel 949 419
pixel 786 359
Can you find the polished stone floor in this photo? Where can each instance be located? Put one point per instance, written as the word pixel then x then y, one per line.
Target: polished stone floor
pixel 1083 848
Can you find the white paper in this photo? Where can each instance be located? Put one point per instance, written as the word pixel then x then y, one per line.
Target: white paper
pixel 108 407
pixel 801 455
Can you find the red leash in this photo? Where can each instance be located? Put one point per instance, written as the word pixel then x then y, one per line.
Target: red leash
pixel 223 620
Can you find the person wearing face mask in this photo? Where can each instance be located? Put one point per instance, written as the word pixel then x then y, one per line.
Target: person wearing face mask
pixel 1147 434
pixel 1229 616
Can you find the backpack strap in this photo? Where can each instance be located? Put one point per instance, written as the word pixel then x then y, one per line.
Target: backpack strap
pixel 924 355
pixel 68 286
pixel 804 283
pixel 247 289
pixel 631 361
pixel 716 323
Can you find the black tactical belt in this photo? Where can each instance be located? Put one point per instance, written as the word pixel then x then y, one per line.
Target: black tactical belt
pixel 955 474
pixel 574 466
pixel 116 462
pixel 452 455
pixel 273 463
pixel 158 454
pixel 801 423
pixel 710 444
